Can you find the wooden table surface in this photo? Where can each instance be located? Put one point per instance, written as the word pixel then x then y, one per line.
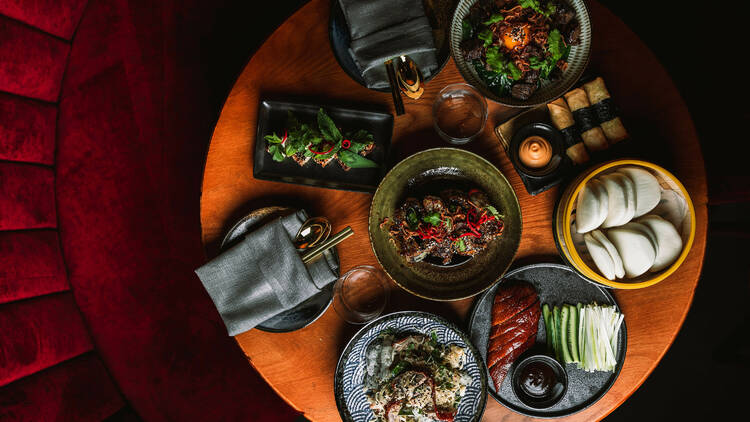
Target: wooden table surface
pixel 297 61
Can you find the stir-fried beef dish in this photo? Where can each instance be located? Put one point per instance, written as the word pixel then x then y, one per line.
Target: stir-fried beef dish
pixel 515 44
pixel 453 223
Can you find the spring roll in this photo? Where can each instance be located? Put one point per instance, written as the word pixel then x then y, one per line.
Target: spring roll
pixel 592 135
pixel 613 128
pixel 562 120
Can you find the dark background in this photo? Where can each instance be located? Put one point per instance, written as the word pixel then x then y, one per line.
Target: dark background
pixel 704 47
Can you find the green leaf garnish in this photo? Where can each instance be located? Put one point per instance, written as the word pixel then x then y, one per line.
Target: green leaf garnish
pixel 273 138
pixel 547 10
pixel 493 211
pixel 461 245
pixel 486 36
pixel 432 218
pixel 411 218
pixel 497 17
pixel 356 161
pixel 399 368
pixel 328 128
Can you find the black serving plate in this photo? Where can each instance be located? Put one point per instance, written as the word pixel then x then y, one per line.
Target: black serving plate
pixel 439 13
pixel 306 312
pixel 556 284
pixel 272 118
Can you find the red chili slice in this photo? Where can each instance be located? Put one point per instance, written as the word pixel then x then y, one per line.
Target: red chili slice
pixel 320 152
pixel 346 144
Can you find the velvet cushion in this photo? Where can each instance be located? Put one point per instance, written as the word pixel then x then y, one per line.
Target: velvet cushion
pixel 27 130
pixel 38 333
pixel 77 390
pixel 58 17
pixel 27 197
pixel 31 62
pixel 31 265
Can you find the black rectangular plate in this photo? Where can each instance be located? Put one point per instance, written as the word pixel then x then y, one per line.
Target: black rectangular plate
pixel 272 118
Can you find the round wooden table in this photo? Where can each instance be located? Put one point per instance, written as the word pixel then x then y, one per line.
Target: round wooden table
pixel 297 61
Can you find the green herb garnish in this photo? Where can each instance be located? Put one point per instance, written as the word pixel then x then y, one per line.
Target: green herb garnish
pixel 497 17
pixel 399 368
pixel 432 218
pixel 355 161
pixel 547 10
pixel 486 36
pixel 461 245
pixel 411 218
pixel 500 64
pixel 328 128
pixel 493 211
pixel 321 141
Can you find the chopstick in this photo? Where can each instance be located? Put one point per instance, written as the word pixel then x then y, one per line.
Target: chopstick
pixel 395 90
pixel 312 254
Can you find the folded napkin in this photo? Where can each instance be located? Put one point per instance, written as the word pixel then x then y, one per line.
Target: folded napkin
pixel 384 29
pixel 263 275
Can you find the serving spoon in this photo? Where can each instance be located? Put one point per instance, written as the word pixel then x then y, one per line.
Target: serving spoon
pixel 312 232
pixel 410 78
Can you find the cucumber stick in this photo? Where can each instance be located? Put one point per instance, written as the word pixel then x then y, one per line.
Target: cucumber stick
pixel 581 352
pixel 572 328
pixel 548 327
pixel 556 323
pixel 564 346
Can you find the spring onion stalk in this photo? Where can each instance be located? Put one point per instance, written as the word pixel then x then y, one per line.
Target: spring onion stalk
pixel 586 335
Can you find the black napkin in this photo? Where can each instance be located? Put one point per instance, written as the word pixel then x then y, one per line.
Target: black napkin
pixel 384 29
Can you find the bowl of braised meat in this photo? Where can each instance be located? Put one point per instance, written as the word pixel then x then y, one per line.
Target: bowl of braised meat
pixel 521 53
pixel 445 224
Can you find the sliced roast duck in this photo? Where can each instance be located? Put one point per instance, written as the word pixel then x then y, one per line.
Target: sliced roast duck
pixel 515 320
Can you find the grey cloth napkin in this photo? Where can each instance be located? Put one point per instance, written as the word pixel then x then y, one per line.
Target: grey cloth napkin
pixel 263 275
pixel 384 29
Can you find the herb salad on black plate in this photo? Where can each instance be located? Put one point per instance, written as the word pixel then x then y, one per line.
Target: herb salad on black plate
pixel 514 45
pixel 322 142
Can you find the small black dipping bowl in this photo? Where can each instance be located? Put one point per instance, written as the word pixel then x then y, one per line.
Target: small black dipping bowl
pixel 542 130
pixel 557 389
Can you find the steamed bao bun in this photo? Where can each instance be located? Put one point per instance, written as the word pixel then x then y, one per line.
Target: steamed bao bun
pixel 628 248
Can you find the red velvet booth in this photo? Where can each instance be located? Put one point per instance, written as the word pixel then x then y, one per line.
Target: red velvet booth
pixel 101 148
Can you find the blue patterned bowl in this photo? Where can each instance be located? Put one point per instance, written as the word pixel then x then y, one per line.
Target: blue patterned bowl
pixel 350 371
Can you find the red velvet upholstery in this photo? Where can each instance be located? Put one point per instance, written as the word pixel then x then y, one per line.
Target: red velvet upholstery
pixel 31 62
pixel 131 131
pixel 58 17
pixel 31 265
pixel 44 331
pixel 77 390
pixel 27 130
pixel 131 239
pixel 27 197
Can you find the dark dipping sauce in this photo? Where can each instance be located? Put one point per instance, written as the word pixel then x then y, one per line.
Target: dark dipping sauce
pixel 537 379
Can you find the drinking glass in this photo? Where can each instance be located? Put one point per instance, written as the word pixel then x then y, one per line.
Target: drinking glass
pixel 361 294
pixel 459 113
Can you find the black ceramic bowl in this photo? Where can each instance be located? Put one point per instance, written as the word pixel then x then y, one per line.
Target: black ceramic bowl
pixel 556 390
pixel 545 131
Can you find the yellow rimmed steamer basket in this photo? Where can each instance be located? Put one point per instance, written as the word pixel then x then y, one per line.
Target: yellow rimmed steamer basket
pixel 675 205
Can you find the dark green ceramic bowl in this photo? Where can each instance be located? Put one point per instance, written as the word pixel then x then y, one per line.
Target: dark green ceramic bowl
pixel 445 167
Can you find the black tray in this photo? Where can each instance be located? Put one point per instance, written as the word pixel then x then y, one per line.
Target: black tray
pixel 272 117
pixel 556 284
